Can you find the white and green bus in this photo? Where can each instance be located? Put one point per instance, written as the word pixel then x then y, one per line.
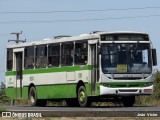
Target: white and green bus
pixel 100 66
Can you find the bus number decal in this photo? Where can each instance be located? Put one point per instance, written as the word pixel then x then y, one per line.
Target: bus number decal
pixel 122 68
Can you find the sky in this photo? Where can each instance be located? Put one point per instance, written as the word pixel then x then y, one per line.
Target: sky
pixel 40 19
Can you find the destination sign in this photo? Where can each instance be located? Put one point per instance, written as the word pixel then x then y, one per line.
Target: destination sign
pixel 124 37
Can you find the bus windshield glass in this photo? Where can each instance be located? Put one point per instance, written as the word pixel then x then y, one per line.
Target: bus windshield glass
pixel 126 58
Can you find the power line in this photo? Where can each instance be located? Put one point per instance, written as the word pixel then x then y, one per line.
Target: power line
pixel 72 11
pixel 80 20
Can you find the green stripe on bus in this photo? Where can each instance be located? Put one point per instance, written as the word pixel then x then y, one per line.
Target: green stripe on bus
pixel 125 84
pixel 10 73
pixel 50 70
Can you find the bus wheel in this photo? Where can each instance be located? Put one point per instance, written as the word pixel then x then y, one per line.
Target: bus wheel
pixel 33 97
pixel 128 101
pixel 82 97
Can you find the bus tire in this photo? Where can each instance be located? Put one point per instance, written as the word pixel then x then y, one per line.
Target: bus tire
pixel 128 101
pixel 83 100
pixel 33 97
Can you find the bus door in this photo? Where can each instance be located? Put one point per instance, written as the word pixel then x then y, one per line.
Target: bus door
pixel 93 62
pixel 18 68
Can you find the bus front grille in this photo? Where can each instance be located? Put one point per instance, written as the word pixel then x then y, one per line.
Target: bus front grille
pixel 128 90
pixel 128 78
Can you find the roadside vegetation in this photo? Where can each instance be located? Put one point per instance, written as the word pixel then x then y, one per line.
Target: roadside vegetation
pixel 152 100
pixel 4 100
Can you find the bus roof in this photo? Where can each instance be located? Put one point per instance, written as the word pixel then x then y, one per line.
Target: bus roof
pixel 91 36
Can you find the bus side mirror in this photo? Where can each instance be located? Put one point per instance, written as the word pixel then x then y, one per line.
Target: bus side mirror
pixel 154 57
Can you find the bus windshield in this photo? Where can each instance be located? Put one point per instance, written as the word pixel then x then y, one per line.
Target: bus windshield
pixel 126 58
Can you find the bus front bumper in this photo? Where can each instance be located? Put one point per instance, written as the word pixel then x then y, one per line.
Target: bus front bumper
pixel 126 91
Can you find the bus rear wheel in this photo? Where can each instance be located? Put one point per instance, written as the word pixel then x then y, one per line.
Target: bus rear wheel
pixel 33 98
pixel 128 101
pixel 83 100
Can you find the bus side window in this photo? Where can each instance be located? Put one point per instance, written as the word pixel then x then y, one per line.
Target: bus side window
pixel 67 52
pixel 53 55
pixel 9 59
pixel 81 52
pixel 41 56
pixel 29 58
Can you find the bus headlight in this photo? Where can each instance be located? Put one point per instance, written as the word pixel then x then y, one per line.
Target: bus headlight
pixel 148 91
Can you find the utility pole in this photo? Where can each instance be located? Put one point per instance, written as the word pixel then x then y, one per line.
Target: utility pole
pixel 17 35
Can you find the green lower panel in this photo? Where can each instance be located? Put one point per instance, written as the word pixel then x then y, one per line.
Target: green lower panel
pixel 25 92
pixel 47 92
pixel 11 93
pixel 14 93
pixel 42 92
pixel 61 91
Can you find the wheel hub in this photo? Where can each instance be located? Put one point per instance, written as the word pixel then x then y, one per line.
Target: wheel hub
pixel 82 96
